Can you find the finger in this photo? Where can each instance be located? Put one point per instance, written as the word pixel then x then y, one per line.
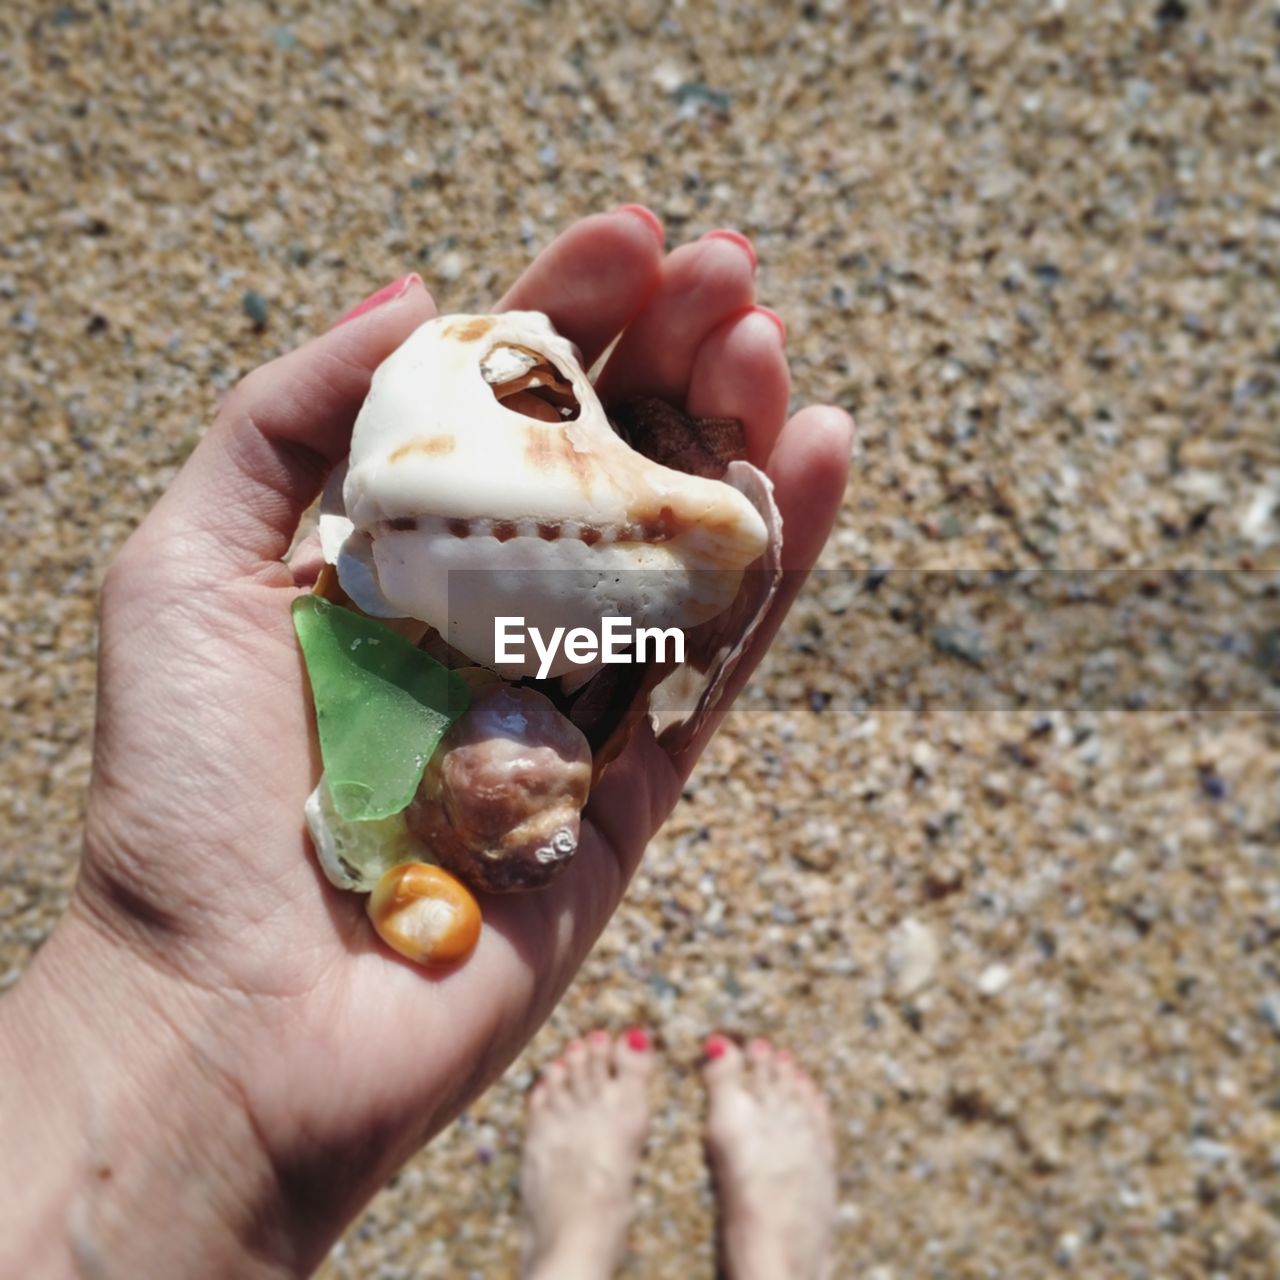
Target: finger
pixel 237 501
pixel 809 468
pixel 740 371
pixel 306 560
pixel 702 285
pixel 594 277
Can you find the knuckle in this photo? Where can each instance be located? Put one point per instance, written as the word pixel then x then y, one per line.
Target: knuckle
pixel 244 395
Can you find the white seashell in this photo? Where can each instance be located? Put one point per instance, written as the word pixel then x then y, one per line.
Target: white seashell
pixel 332 526
pixel 355 855
pixel 457 508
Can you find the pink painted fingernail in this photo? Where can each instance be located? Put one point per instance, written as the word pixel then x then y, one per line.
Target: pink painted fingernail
pixel 647 216
pixel 775 317
pixel 388 293
pixel 599 1037
pixel 724 233
pixel 638 1039
pixel 715 1047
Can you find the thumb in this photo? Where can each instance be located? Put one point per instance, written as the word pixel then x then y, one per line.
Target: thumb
pixel 236 503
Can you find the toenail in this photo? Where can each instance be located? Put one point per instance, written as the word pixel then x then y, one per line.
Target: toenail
pixel 638 1039
pixel 715 1047
pixel 785 1055
pixel 758 1046
pixel 647 216
pixel 736 237
pixel 775 317
pixel 599 1037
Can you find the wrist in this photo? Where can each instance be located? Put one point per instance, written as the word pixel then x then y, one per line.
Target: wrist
pixel 125 1151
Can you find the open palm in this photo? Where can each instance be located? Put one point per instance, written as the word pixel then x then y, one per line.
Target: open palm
pixel 195 850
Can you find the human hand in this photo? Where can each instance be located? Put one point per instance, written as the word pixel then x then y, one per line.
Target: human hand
pixel 333 1057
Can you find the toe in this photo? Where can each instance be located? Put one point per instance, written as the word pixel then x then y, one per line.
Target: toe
pixel 740 371
pixel 702 285
pixel 820 1109
pixel 599 1060
pixel 761 1066
pixel 787 1071
pixel 553 1087
pixel 538 1096
pixel 633 1054
pixel 578 1069
pixel 723 1065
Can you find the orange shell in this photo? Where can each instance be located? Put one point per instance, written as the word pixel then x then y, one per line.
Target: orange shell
pixel 426 914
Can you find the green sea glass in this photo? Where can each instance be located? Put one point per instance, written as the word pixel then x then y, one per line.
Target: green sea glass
pixel 382 707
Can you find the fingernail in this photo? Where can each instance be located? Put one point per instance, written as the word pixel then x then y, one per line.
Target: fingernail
pixel 599 1037
pixel 723 233
pixel 647 216
pixel 638 1039
pixel 715 1047
pixel 776 318
pixel 388 293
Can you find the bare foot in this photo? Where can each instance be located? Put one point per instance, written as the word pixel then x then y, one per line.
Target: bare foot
pixel 587 1120
pixel 773 1157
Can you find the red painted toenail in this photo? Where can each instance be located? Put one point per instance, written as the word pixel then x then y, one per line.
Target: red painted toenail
pixel 647 216
pixel 715 1047
pixel 758 1046
pixel 599 1037
pixel 785 1055
pixel 776 318
pixel 723 233
pixel 638 1039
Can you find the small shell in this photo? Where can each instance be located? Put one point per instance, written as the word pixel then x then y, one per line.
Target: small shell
pixel 354 855
pixel 500 801
pixel 425 914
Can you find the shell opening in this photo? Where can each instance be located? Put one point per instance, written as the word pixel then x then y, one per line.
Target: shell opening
pixel 529 383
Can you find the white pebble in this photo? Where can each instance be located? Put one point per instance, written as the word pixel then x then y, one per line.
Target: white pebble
pixel 994 978
pixel 912 957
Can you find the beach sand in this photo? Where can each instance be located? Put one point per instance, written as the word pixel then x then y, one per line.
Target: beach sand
pixel 994 855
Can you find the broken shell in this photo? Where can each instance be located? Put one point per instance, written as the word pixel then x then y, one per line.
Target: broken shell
pixel 500 802
pixel 354 855
pixel 425 914
pixel 459 506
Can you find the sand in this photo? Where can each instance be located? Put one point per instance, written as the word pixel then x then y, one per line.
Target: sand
pixel 995 856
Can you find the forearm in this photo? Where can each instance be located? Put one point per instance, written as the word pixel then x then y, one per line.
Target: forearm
pixel 122 1152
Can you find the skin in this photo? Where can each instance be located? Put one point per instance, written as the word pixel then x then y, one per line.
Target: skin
pixel 212 1063
pixel 768 1141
